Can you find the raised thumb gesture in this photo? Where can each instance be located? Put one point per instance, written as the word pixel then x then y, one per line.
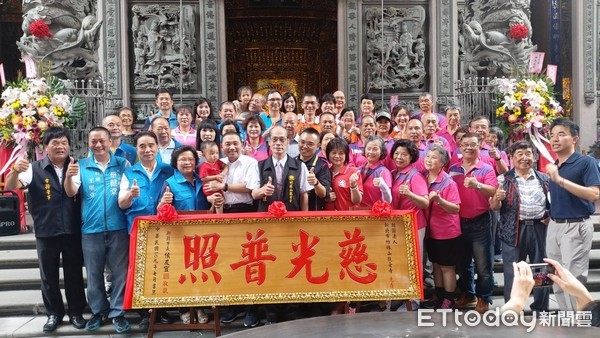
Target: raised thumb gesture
pixel 135 190
pixel 167 196
pixel 72 168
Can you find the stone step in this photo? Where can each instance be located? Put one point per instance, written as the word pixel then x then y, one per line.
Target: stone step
pixel 27 299
pixel 18 259
pixel 30 325
pixel 25 279
pixel 18 242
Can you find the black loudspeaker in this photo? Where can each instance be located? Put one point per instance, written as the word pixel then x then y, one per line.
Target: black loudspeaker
pixel 10 217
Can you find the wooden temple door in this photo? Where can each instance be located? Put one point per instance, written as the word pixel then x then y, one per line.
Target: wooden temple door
pixel 289 45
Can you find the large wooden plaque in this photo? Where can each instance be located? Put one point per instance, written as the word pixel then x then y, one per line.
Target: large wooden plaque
pixel 254 258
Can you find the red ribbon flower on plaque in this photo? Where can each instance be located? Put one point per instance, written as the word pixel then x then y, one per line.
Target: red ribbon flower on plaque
pixel 518 32
pixel 40 29
pixel 167 213
pixel 277 209
pixel 382 208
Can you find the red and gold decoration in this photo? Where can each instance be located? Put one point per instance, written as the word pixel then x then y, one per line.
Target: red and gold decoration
pixel 277 209
pixel 226 259
pixel 167 213
pixel 381 208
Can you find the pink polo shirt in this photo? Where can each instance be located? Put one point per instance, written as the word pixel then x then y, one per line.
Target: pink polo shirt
pixel 449 137
pixel 417 184
pixel 371 193
pixel 259 153
pixel 437 138
pixel 484 155
pixel 357 158
pixel 474 202
pixel 443 225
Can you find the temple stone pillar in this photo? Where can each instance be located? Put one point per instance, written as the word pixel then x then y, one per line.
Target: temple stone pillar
pixel 586 79
pixel 444 50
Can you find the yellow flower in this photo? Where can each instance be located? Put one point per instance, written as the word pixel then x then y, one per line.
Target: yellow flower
pixel 58 111
pixel 43 101
pixel 545 109
pixel 16 105
pixel 517 111
pixel 499 111
pixel 518 96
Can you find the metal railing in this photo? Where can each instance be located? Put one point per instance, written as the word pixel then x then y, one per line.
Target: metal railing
pixel 96 95
pixel 476 96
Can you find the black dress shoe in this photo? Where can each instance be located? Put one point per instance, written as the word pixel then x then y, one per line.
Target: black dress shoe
pixel 52 323
pixel 78 322
pixel 164 318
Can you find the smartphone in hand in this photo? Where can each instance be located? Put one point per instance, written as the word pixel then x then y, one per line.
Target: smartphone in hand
pixel 540 273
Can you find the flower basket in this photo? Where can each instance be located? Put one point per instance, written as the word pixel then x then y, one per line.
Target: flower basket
pixel 28 108
pixel 526 108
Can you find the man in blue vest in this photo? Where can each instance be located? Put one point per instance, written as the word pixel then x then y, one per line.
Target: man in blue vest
pixel 57 221
pixel 104 232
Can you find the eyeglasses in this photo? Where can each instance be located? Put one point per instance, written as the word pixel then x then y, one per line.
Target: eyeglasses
pixel 186 160
pixel 469 145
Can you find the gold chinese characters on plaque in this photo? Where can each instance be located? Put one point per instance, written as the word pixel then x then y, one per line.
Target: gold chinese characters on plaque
pixel 200 260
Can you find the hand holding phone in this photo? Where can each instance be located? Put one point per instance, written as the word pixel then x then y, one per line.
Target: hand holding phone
pixel 540 273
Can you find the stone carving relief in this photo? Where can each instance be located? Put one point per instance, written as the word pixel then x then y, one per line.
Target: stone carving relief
pixel 67 35
pixel 396 49
pixel 164 46
pixel 488 48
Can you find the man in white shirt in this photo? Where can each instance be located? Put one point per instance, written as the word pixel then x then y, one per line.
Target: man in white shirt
pixel 241 179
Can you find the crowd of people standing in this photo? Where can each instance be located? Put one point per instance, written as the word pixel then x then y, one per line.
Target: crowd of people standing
pixel 324 156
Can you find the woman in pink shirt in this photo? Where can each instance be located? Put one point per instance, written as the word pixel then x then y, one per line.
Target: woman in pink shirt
pixel 443 237
pixel 376 178
pixel 409 188
pixel 184 133
pixel 255 145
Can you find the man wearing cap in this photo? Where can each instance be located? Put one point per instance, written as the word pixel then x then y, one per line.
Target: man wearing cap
pixel 383 128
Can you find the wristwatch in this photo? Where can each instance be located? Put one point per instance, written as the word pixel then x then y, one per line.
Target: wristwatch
pixel 225 187
pixel 478 186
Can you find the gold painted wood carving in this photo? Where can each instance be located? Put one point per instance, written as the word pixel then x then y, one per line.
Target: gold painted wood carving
pixel 201 260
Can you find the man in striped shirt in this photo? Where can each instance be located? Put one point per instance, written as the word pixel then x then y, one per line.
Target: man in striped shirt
pixel 522 200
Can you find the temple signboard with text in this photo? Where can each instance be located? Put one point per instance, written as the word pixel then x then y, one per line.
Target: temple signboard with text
pixel 255 258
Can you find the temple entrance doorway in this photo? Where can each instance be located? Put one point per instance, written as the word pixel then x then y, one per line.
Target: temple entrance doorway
pixel 289 45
